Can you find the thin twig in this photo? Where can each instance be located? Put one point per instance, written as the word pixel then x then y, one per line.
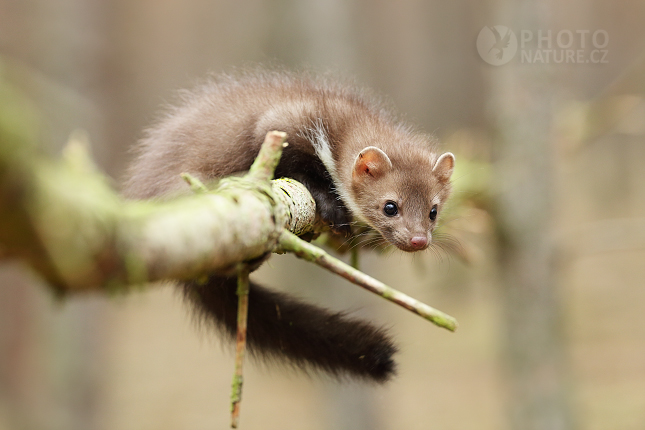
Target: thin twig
pixel 240 347
pixel 290 242
pixel 269 156
pixel 195 184
pixel 354 261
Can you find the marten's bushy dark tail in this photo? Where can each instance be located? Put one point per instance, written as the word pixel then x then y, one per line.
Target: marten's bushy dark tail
pixel 281 327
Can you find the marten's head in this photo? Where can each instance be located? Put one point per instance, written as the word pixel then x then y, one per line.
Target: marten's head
pixel 401 194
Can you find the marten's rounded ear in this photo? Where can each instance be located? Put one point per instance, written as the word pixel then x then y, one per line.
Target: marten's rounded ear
pixel 444 166
pixel 371 162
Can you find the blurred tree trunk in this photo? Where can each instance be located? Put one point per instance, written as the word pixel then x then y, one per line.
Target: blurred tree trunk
pixel 533 348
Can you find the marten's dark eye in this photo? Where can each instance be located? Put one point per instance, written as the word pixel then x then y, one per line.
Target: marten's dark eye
pixel 433 213
pixel 390 209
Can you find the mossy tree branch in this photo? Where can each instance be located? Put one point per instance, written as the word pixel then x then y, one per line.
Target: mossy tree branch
pixel 64 219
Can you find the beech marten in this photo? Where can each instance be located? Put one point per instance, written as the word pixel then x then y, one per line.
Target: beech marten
pixel 358 161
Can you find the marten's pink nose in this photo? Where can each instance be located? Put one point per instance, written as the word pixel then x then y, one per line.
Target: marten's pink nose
pixel 419 242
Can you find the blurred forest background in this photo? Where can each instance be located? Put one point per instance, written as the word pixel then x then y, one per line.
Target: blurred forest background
pixel 549 209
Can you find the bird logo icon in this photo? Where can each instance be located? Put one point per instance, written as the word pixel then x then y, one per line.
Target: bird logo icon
pixel 497 44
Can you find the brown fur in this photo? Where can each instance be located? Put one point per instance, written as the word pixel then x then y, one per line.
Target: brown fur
pixel 218 127
pixel 217 130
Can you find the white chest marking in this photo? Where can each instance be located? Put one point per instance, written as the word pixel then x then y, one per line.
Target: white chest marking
pixel 320 140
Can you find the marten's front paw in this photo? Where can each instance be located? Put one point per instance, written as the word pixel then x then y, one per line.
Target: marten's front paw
pixel 337 217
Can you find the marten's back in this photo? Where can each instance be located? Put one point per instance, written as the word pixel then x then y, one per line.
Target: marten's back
pixel 218 127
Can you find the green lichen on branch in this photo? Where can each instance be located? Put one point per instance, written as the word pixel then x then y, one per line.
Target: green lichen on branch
pixel 79 234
